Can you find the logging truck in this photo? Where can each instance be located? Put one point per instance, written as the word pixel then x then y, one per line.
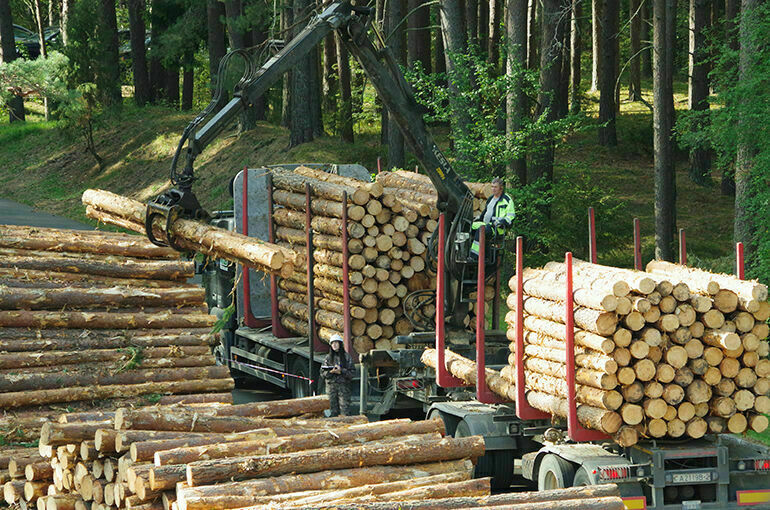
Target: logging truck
pixel 265 337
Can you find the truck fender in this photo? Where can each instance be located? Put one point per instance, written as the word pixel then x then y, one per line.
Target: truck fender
pixel 480 419
pixel 590 456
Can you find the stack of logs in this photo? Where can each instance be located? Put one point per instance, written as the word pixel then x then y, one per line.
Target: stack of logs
pixel 673 352
pixel 389 224
pixel 258 455
pixel 100 317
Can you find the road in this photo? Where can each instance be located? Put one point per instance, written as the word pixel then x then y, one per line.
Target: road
pixel 13 213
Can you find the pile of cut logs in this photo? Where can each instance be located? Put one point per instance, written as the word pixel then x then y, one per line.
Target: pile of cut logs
pixel 673 352
pixel 103 317
pixel 389 224
pixel 276 454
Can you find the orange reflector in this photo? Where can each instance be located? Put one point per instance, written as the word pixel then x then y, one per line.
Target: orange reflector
pixel 635 503
pixel 752 497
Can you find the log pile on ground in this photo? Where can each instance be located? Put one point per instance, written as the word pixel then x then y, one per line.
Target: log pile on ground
pixel 276 454
pixel 97 319
pixel 673 352
pixel 190 235
pixel 389 224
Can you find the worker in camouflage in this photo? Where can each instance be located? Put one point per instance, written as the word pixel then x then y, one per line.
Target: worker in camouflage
pixel 338 370
pixel 498 214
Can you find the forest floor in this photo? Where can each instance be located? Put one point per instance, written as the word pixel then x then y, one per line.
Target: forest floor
pixel 45 167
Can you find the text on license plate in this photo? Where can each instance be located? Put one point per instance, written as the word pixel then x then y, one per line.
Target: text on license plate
pixel 691 477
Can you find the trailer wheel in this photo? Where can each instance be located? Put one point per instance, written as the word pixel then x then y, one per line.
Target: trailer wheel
pixel 450 422
pixel 299 387
pixel 555 473
pixel 497 464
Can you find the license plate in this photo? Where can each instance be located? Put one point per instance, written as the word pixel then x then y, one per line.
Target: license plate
pixel 691 477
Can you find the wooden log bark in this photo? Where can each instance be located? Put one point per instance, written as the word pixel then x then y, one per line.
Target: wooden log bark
pixel 71 340
pixel 55 299
pixel 605 399
pixel 102 320
pixel 55 358
pixel 206 239
pixel 144 449
pixel 119 267
pixel 310 461
pixel 551 349
pixel 535 286
pixel 587 377
pixel 74 394
pixel 238 494
pixel 600 323
pixel 332 437
pixel 13 277
pixel 709 283
pixel 465 369
pixel 290 181
pixel 191 421
pixel 374 188
pixel 29 381
pixel 556 330
pixel 638 281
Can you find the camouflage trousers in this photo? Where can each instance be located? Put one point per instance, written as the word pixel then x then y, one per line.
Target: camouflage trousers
pixel 339 398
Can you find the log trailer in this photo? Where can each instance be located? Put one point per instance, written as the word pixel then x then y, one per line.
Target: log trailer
pixel 716 472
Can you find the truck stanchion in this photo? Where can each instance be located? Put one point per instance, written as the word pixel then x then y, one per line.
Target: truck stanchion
pixel 682 247
pixel 483 393
pixel 316 344
pixel 574 429
pixel 278 330
pixel 312 327
pixel 739 262
pixel 496 299
pixel 346 335
pixel 379 165
pixel 443 378
pixel 591 236
pixel 637 246
pixel 523 410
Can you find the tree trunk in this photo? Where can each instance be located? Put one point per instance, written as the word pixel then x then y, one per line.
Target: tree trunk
pixel 607 107
pixel 111 62
pixel 235 494
pixel 157 74
pixel 439 57
pixel 187 88
pixel 744 228
pixel 663 111
pixel 419 40
pixel 217 46
pixel 40 34
pixel 471 22
pixel 550 74
pixel 330 78
pixel 142 92
pixel 566 60
pixel 700 156
pixel 516 100
pixel 534 13
pixel 596 42
pixel 576 52
pixel 496 8
pixel 635 67
pixel 204 472
pixel 345 112
pixel 732 11
pixel 454 44
pixel 395 33
pixel 646 54
pixel 8 54
pixel 300 80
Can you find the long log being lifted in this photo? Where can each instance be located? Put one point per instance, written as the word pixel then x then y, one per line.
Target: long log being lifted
pixel 196 236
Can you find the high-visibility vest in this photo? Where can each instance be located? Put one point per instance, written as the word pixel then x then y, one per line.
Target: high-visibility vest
pixel 505 212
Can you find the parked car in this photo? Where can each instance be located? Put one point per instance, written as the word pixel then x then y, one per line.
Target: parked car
pixel 29 40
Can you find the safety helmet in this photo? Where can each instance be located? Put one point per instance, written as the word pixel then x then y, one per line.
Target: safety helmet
pixel 336 337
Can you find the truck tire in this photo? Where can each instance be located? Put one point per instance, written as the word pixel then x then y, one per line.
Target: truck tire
pixel 555 473
pixel 497 464
pixel 450 422
pixel 299 387
pixel 582 478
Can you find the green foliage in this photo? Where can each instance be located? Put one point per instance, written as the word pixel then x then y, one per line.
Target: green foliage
pixel 45 77
pixel 134 361
pixel 485 148
pixel 740 120
pixel 222 321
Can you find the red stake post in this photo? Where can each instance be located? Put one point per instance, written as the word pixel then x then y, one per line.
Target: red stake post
pixel 574 429
pixel 443 378
pixel 739 262
pixel 682 247
pixel 591 236
pixel 483 393
pixel 637 245
pixel 348 338
pixel 278 330
pixel 523 410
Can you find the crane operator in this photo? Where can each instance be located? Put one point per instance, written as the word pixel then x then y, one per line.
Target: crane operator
pixel 498 214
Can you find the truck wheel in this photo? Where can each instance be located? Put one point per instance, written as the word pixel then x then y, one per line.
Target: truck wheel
pixel 555 473
pixel 582 478
pixel 450 422
pixel 496 464
pixel 299 387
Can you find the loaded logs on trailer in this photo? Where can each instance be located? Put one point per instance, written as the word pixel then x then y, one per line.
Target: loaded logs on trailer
pixel 389 223
pixel 673 352
pixel 99 320
pixel 153 458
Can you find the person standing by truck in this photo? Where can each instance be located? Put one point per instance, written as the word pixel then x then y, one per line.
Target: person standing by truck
pixel 338 369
